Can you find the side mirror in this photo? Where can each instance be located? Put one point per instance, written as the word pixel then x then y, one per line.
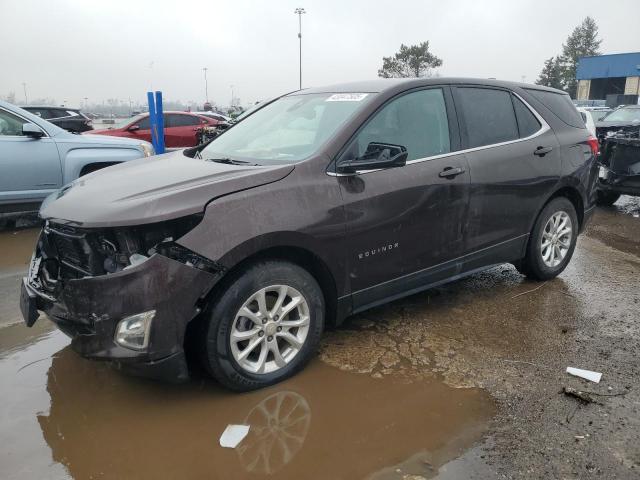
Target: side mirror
pixel 32 130
pixel 133 128
pixel 377 156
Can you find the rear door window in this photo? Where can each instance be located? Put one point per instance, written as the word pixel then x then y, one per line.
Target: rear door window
pixel 560 105
pixel 488 114
pixel 528 124
pixel 177 120
pixel 41 112
pixel 57 113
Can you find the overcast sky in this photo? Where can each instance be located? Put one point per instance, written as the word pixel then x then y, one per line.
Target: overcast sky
pixel 71 49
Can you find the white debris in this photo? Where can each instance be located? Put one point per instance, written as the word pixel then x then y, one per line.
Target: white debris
pixel 586 374
pixel 233 435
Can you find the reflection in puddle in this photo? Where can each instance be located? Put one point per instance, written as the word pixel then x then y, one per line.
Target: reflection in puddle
pixel 279 426
pixel 324 423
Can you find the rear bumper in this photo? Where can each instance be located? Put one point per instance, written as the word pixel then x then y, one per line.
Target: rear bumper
pixel 89 309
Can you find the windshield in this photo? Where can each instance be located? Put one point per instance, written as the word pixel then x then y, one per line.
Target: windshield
pixel 599 114
pixel 286 131
pixel 623 115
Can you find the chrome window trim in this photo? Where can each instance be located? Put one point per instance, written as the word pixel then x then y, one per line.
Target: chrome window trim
pixel 544 128
pixel 46 134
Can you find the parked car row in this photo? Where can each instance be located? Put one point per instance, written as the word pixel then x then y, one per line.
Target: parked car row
pixel 180 128
pixel 37 157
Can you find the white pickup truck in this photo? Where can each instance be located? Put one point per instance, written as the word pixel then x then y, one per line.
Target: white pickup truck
pixel 38 158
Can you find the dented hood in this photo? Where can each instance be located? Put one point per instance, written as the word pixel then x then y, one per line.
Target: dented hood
pixel 152 190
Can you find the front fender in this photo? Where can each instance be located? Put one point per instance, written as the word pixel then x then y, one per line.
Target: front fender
pixel 76 158
pixel 286 213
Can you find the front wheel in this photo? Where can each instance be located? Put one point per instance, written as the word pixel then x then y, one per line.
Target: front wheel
pixel 552 241
pixel 264 327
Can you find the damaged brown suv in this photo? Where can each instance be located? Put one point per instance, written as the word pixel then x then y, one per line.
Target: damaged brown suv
pixel 320 204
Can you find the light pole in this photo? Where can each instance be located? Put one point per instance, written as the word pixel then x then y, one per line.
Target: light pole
pixel 86 101
pixel 206 84
pixel 299 12
pixel 24 87
pixel 232 96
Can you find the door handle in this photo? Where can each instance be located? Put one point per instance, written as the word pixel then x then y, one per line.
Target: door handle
pixel 450 172
pixel 542 151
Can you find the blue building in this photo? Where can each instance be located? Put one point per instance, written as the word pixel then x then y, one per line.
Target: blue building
pixel 604 75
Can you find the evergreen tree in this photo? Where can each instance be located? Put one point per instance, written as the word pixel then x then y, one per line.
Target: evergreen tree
pixel 551 74
pixel 582 42
pixel 412 61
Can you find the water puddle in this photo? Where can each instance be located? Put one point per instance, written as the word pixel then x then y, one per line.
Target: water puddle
pixel 63 417
pixel 17 246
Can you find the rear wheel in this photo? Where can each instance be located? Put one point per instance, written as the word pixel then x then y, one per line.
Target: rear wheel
pixel 605 198
pixel 264 327
pixel 552 241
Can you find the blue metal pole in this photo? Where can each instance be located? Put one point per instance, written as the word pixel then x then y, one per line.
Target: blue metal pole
pixel 160 123
pixel 153 123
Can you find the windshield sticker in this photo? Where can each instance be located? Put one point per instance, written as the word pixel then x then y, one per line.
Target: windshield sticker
pixel 346 97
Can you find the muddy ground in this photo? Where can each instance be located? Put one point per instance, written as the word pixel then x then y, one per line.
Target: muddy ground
pixel 461 381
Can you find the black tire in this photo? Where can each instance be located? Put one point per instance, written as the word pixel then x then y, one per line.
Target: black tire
pixel 605 198
pixel 533 265
pixel 217 355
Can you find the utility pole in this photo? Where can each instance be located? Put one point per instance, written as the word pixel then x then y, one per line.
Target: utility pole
pixel 232 96
pixel 86 102
pixel 151 76
pixel 24 87
pixel 299 12
pixel 206 85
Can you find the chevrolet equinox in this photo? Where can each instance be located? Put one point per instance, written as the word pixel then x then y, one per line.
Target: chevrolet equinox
pixel 318 205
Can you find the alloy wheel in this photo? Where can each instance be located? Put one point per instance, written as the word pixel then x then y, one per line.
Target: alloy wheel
pixel 269 329
pixel 556 239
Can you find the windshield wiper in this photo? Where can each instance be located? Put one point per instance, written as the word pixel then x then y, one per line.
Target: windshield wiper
pixel 231 161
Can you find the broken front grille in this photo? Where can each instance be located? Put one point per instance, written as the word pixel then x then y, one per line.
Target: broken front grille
pixel 75 251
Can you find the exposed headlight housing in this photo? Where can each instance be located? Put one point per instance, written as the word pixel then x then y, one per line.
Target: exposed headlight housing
pixel 133 332
pixel 147 149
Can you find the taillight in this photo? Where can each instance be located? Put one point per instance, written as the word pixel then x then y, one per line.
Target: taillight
pixel 595 146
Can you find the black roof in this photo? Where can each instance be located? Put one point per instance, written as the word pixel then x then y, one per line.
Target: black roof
pixel 27 107
pixel 384 84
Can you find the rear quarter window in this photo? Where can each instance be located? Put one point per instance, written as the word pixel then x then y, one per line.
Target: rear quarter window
pixel 560 105
pixel 528 124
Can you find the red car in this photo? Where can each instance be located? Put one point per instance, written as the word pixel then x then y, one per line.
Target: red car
pixel 179 128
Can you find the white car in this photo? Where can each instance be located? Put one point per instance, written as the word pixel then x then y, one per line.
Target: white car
pixel 588 120
pixel 215 115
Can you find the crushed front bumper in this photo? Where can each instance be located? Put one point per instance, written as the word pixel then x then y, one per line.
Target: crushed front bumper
pixel 88 310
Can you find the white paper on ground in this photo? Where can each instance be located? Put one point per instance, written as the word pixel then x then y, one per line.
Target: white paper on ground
pixel 586 374
pixel 233 435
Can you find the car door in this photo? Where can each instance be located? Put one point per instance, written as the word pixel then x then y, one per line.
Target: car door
pixel 514 164
pixel 180 129
pixel 402 223
pixel 30 167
